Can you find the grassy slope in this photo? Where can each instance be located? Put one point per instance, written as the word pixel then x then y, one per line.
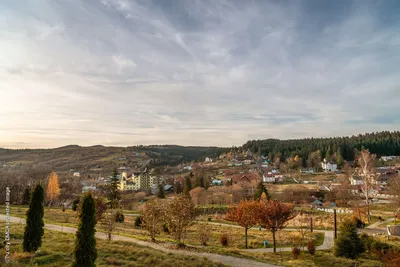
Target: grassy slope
pixel 57 250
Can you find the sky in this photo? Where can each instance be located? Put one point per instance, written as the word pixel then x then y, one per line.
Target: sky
pixel 196 72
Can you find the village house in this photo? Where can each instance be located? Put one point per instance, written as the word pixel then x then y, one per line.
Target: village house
pixel 76 174
pixel 328 166
pixel 208 159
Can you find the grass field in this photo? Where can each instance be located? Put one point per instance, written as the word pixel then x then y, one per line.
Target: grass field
pixel 57 250
pixel 236 235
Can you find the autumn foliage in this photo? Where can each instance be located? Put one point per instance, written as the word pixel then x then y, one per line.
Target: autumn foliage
pixel 245 214
pixel 153 218
pixel 270 214
pixel 53 188
pixel 273 215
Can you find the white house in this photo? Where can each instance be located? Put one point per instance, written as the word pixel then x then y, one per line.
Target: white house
pixel 208 159
pixel 187 168
pixel 77 174
pixel 268 179
pixel 328 166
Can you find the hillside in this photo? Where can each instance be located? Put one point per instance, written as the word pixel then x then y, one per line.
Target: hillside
pixel 104 158
pixel 380 143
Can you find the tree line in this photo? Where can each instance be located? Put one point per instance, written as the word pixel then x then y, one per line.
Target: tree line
pixel 379 143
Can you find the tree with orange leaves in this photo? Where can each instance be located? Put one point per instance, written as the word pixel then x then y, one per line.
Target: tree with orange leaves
pixel 273 215
pixel 53 188
pixel 245 214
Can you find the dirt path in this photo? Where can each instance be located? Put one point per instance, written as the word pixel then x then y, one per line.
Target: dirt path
pixel 374 225
pixel 228 260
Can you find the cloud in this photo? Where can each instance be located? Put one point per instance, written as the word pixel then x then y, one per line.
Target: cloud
pixel 195 72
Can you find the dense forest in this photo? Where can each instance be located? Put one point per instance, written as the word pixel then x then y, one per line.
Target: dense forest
pixel 380 143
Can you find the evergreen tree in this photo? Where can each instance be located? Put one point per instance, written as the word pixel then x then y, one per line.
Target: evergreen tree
pixel 114 194
pixel 187 186
pixel 348 244
pixel 339 159
pixel 85 253
pixel 26 197
pixel 160 193
pixel 34 221
pixel 260 190
pixel 178 187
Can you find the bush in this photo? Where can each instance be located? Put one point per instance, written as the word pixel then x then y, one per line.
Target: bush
pixel 119 217
pixel 359 223
pixel 311 247
pixel 209 219
pixel 165 228
pixel 348 244
pixel 224 240
pixel 75 204
pixel 296 253
pixel 138 221
pixel 204 233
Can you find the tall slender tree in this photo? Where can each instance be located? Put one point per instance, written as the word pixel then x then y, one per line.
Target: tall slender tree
pixel 53 188
pixel 187 186
pixel 85 253
pixel 366 171
pixel 34 221
pixel 114 194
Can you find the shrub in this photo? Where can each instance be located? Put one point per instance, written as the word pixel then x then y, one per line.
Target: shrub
pixel 165 228
pixel 296 252
pixel 119 217
pixel 138 221
pixel 75 204
pixel 359 223
pixel 209 219
pixel 348 244
pixel 311 247
pixel 204 233
pixel 224 240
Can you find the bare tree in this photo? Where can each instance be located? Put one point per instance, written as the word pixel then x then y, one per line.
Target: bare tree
pixel 108 222
pixel 153 217
pixel 366 171
pixel 394 187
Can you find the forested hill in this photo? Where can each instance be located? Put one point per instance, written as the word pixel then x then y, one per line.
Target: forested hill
pixel 380 143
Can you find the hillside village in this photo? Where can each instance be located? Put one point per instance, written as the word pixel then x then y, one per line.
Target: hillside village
pixel 319 192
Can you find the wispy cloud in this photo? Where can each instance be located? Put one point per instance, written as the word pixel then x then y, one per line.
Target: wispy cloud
pixel 195 72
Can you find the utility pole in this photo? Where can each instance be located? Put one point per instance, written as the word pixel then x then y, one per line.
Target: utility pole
pixel 335 221
pixel 311 225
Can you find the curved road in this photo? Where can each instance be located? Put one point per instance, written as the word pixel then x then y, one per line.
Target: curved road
pixel 224 259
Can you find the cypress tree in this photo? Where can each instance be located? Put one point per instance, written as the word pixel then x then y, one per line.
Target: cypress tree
pixel 160 193
pixel 260 190
pixel 187 186
pixel 34 221
pixel 26 197
pixel 85 243
pixel 114 195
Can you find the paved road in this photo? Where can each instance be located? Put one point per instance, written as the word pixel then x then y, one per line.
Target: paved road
pixel 228 260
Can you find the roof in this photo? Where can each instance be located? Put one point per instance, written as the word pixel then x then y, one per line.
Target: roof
pixel 168 187
pixel 317 202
